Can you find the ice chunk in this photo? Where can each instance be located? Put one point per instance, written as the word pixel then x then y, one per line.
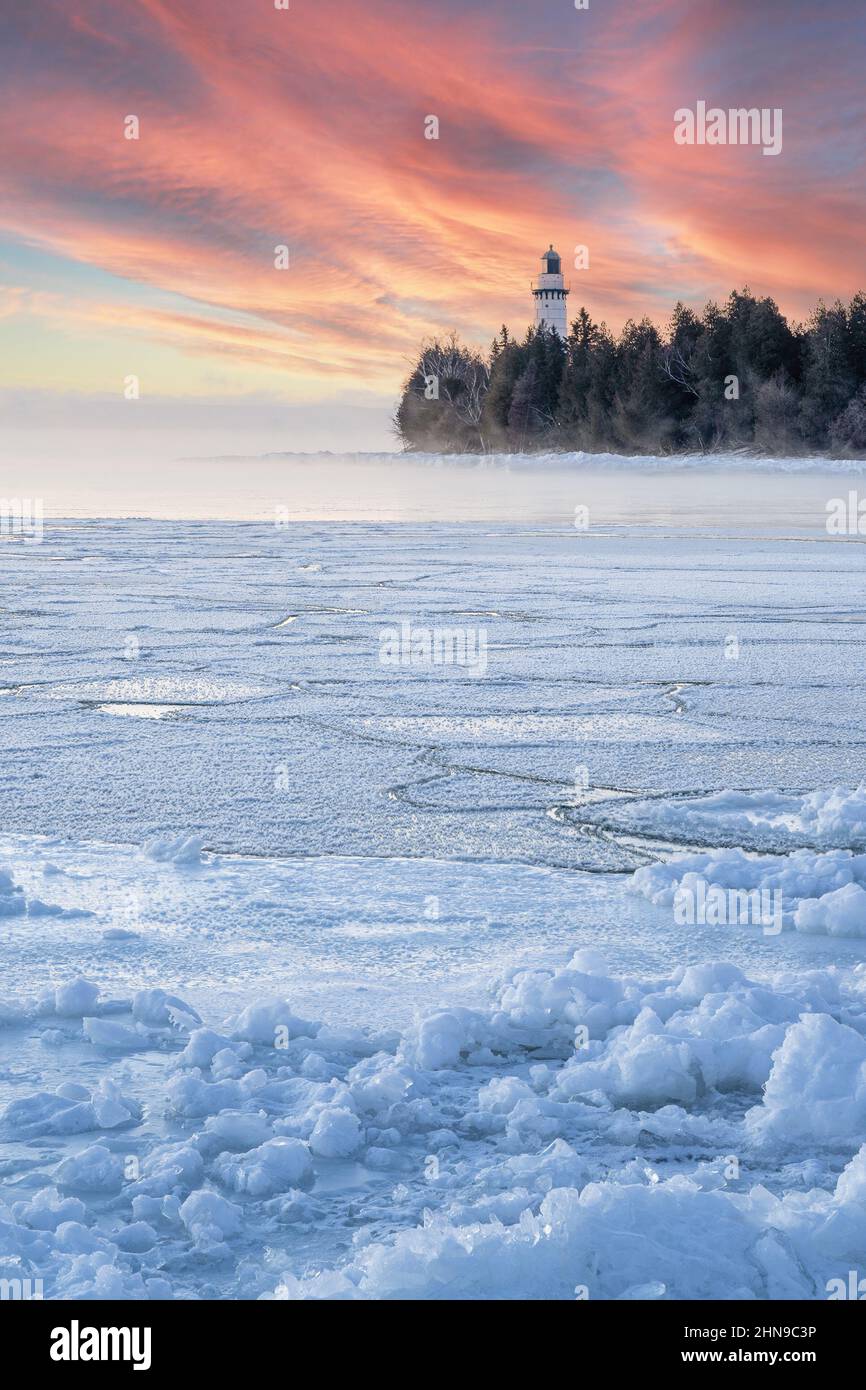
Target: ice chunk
pixel 105 1032
pixel 137 1237
pixel 184 850
pixel 841 912
pixel 441 1038
pixel 272 1024
pixel 209 1217
pixel 275 1166
pixel 158 1009
pixel 851 1186
pixel 12 900
pixel 237 1129
pixel 75 999
pixel 95 1169
pixel 821 893
pixel 336 1133
pixel 816 1091
pixel 202 1047
pixel 828 815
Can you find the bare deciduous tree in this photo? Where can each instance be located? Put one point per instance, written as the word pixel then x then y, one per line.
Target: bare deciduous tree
pixel 679 368
pixel 462 377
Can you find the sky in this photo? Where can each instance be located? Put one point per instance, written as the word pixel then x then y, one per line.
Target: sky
pixel 304 128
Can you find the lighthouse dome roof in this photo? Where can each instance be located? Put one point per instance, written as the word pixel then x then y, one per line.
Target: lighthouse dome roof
pixel 552 259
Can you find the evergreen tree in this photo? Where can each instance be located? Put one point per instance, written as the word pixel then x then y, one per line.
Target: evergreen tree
pixel 857 338
pixel 587 384
pixel 828 377
pixel 521 413
pixel 679 364
pixel 504 373
pixel 547 350
pixel 642 417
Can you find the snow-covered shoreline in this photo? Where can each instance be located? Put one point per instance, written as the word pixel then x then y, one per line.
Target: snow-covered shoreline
pixel 735 461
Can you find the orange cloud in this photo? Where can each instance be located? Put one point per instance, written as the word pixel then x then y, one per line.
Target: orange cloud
pixel 306 128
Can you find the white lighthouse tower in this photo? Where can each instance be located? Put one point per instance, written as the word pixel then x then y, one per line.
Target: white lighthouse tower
pixel 550 292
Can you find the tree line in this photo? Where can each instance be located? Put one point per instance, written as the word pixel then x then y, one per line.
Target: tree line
pixel 735 376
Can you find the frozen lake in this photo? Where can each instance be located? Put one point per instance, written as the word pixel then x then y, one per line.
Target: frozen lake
pixel 213 785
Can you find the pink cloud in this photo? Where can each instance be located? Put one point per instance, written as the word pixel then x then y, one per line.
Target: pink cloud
pixel 261 127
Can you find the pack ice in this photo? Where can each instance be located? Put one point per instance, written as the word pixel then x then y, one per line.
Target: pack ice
pixel 583 1134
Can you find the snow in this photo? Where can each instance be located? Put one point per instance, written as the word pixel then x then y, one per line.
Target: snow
pixel 345 984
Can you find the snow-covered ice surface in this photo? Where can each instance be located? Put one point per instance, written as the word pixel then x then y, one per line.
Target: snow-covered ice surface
pixel 324 978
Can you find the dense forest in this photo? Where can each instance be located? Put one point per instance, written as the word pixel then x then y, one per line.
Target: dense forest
pixel 736 376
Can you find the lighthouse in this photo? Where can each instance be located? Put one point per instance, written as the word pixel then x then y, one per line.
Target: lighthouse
pixel 550 292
